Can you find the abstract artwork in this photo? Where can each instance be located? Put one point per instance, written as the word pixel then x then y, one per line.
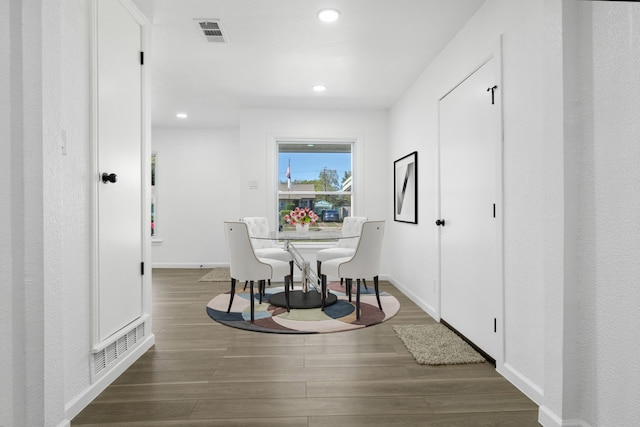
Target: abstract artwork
pixel 405 189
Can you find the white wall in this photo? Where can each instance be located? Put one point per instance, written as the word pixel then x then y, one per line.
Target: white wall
pixel 46 253
pixel 203 176
pixel 6 244
pixel 413 250
pixel 68 212
pixel 66 202
pixel 198 177
pixel 608 238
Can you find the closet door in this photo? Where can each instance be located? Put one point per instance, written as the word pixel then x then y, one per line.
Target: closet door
pixel 469 144
pixel 120 195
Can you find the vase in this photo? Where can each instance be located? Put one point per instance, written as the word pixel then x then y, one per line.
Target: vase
pixel 302 228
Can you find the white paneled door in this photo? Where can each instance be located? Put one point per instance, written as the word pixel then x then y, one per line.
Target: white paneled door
pixel 119 134
pixel 469 183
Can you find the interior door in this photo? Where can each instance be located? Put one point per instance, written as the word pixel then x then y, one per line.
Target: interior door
pixel 469 137
pixel 119 131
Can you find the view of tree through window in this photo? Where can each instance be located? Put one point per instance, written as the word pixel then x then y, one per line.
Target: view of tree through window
pixel 317 176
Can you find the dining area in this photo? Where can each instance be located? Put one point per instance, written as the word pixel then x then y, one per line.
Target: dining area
pixel 336 271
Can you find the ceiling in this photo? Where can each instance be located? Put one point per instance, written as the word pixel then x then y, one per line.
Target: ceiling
pixel 277 50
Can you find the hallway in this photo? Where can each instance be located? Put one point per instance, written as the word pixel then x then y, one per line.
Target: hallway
pixel 203 373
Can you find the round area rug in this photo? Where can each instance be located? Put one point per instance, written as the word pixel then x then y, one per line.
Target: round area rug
pixel 340 316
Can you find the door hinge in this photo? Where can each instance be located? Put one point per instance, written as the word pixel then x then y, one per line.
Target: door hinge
pixel 493 93
pixel 494 210
pixel 142 268
pixel 141 58
pixel 495 325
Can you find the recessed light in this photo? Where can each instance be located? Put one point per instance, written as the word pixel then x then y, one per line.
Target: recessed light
pixel 328 15
pixel 319 88
pixel 181 115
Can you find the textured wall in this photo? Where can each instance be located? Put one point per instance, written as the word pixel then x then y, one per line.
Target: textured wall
pixel 609 215
pixel 6 274
pixel 66 203
pixel 73 170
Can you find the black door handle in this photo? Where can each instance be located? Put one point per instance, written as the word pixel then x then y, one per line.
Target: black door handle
pixel 440 222
pixel 109 177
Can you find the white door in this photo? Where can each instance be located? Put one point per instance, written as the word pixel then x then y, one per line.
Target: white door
pixel 119 130
pixel 469 140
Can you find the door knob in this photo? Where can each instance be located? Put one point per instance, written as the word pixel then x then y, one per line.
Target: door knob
pixel 440 222
pixel 109 177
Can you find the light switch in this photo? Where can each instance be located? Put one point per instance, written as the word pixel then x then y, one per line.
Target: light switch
pixel 253 185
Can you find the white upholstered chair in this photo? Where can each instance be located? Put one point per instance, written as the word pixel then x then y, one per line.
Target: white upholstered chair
pixel 245 265
pixel 351 226
pixel 258 227
pixel 364 263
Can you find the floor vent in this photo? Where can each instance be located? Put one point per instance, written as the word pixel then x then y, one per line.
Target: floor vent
pixel 116 349
pixel 211 30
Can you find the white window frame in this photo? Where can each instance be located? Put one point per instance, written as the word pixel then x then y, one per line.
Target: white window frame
pixel 272 171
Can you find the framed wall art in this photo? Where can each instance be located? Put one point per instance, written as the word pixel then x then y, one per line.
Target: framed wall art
pixel 405 189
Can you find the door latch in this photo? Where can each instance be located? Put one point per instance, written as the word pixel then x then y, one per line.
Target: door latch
pixel 440 222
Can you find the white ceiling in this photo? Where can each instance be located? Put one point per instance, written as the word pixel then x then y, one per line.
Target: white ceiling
pixel 277 50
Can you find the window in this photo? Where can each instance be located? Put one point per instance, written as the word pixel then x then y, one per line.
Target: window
pixel 315 175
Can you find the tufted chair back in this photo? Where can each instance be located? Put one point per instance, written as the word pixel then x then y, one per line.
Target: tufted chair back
pixel 243 263
pixel 258 227
pixel 351 226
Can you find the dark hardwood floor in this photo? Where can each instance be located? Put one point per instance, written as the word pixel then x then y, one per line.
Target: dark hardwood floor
pixel 201 373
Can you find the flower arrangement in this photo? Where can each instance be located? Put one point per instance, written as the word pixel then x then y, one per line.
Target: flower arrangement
pixel 301 216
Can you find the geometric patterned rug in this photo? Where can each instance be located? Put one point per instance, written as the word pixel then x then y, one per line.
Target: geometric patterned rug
pixel 340 316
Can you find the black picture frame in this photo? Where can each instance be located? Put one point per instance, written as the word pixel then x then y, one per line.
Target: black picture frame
pixel 405 189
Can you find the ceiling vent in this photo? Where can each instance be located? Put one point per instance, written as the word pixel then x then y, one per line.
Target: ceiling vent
pixel 211 30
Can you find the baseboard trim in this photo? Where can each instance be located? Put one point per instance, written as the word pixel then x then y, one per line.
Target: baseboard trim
pixel 86 396
pixel 187 265
pixel 413 297
pixel 524 384
pixel 548 418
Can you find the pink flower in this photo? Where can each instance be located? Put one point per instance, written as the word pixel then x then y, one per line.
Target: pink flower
pixel 301 216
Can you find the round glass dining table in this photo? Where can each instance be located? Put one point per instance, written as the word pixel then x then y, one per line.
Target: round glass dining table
pixel 310 295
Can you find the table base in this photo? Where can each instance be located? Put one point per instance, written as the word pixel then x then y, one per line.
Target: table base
pixel 299 299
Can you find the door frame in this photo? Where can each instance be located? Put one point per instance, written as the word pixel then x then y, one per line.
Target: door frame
pixel 95 181
pixel 495 53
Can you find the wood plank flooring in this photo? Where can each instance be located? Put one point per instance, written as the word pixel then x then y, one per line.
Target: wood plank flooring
pixel 201 373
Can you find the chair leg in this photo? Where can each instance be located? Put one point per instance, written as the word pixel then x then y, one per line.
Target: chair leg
pixel 364 282
pixel 341 282
pixel 246 282
pixel 291 273
pixel 252 300
pixel 323 291
pixel 269 282
pixel 375 284
pixel 319 270
pixel 357 299
pixel 260 288
pixel 287 280
pixel 233 293
pixel 348 283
